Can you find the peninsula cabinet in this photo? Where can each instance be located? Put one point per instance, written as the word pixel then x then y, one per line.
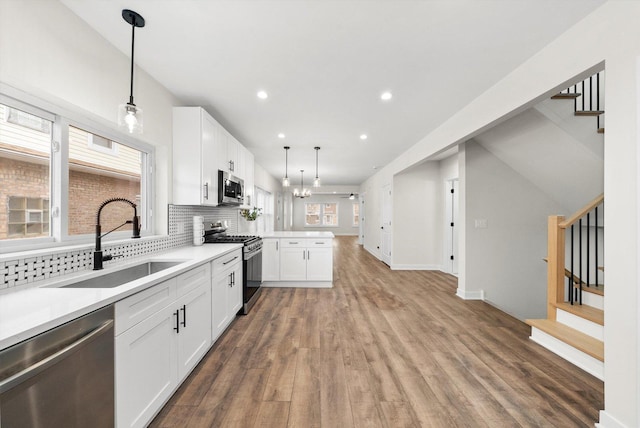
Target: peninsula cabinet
pixel 297 262
pixel 161 334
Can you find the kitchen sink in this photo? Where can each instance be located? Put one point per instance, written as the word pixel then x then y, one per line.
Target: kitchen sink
pixel 123 276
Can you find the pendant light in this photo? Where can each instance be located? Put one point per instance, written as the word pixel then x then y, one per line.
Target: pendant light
pixel 316 182
pixel 285 180
pixel 304 193
pixel 129 115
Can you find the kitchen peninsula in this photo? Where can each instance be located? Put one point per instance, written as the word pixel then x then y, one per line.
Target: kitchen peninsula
pixel 298 259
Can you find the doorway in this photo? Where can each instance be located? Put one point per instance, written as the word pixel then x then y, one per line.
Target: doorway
pixel 451 227
pixel 385 232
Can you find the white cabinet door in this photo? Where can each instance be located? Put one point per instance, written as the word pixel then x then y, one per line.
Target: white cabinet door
pixel 271 260
pixel 235 292
pixel 219 299
pixel 293 263
pixel 194 161
pixel 146 368
pixel 233 147
pixel 194 334
pixel 209 153
pixel 319 264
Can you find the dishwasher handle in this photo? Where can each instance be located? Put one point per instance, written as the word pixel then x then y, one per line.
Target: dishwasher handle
pixel 52 359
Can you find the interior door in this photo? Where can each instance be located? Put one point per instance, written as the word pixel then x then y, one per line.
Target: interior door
pixel 362 217
pixel 385 233
pixel 451 226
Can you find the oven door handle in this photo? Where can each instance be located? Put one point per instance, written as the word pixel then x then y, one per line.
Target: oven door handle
pixel 52 359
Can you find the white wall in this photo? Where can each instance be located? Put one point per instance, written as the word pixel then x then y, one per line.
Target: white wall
pixel 505 259
pixel 610 35
pixel 48 52
pixel 345 206
pixel 417 218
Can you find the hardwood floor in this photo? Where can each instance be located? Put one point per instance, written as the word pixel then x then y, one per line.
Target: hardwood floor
pixel 381 349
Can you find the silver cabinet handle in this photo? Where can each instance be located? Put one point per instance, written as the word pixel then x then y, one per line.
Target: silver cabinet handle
pixel 308 255
pixel 277 245
pixel 303 255
pixel 42 365
pixel 206 191
pixel 320 243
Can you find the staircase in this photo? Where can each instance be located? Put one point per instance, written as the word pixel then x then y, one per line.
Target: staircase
pixel 586 97
pixel 574 327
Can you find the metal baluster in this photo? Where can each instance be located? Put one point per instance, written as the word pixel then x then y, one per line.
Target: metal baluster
pixel 571 279
pixel 582 96
pixel 575 100
pixel 596 237
pixel 591 93
pixel 580 255
pixel 598 108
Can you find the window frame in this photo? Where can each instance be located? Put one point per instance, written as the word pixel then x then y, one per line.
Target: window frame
pixel 321 215
pixel 61 119
pixel 355 205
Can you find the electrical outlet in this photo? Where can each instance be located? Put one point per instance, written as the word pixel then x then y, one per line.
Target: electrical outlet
pixel 481 223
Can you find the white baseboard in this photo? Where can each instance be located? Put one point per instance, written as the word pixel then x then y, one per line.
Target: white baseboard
pixel 415 267
pixel 470 294
pixel 298 284
pixel 608 421
pixel 574 356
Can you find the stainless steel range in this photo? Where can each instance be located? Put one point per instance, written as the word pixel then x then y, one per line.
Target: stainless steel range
pixel 251 264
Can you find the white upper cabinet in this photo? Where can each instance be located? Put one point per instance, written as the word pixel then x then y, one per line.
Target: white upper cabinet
pixel 195 174
pixel 201 147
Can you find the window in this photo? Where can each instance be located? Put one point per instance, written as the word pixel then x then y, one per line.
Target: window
pixel 264 200
pixel 97 175
pixel 25 169
pixel 355 214
pixel 55 172
pixel 321 214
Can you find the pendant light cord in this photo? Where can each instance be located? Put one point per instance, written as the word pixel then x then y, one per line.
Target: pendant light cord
pixel 133 38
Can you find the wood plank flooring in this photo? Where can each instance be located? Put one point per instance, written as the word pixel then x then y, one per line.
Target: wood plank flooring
pixel 381 349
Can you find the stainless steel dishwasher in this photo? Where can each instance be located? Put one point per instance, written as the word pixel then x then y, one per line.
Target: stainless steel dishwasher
pixel 61 378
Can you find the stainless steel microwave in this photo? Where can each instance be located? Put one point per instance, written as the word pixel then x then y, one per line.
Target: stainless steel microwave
pixel 230 189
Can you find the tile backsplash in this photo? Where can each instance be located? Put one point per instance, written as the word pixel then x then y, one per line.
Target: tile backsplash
pixel 23 271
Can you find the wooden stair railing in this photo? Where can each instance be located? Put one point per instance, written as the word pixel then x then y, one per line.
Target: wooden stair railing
pixel 556 271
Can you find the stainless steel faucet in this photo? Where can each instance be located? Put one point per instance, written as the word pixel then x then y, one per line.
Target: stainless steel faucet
pixel 98 258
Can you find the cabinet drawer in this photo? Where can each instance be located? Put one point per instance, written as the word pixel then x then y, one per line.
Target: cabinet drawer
pixel 140 306
pixel 319 243
pixel 193 279
pixel 293 242
pixel 225 262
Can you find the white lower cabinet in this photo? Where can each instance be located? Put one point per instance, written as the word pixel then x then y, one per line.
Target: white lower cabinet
pixel 156 348
pixel 226 298
pixel 305 260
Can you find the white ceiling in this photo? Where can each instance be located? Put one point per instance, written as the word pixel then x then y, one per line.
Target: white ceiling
pixel 324 65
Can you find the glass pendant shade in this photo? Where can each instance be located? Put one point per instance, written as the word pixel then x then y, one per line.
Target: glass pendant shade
pixel 285 182
pixel 130 118
pixel 316 182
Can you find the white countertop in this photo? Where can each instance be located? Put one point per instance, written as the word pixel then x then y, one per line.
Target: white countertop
pixel 297 234
pixel 26 313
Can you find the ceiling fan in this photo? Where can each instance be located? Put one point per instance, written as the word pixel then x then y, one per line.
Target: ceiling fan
pixel 351 196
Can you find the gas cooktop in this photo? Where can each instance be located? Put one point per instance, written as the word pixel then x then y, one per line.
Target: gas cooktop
pixel 219 238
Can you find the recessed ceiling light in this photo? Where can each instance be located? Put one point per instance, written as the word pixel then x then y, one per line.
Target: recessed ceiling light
pixel 281 135
pixel 262 95
pixel 386 96
pixel 363 136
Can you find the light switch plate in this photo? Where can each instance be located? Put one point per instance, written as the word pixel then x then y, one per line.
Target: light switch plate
pixel 481 223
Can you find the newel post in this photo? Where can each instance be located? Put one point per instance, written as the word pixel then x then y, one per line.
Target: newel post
pixel 555 267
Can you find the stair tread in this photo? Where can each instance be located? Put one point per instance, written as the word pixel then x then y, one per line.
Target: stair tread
pixel 599 290
pixel 583 311
pixel 570 336
pixel 565 96
pixel 589 112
